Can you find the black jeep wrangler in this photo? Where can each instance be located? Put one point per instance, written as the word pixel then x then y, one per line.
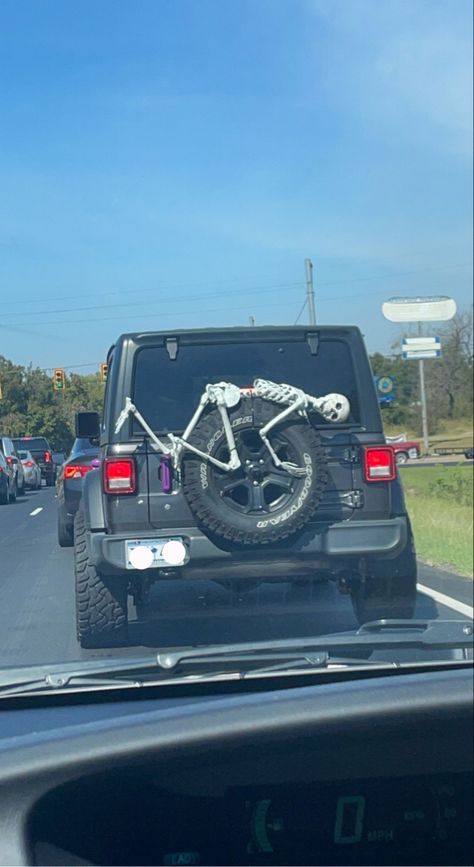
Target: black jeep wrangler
pixel 240 455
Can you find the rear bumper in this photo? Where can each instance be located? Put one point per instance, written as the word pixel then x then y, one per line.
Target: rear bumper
pixel 47 471
pixel 325 547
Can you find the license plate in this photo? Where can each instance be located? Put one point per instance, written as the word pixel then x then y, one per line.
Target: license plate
pixel 156 546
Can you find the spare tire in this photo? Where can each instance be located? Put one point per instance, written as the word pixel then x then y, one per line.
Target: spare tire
pixel 260 502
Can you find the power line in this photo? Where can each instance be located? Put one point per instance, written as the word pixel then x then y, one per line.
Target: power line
pixel 252 291
pixel 329 299
pixel 265 287
pixel 260 288
pixel 411 273
pixel 160 313
pixel 171 299
pixel 73 366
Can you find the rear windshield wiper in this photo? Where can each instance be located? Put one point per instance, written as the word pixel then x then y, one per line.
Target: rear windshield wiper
pixel 229 661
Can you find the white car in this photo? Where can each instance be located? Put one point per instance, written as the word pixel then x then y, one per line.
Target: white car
pixel 31 470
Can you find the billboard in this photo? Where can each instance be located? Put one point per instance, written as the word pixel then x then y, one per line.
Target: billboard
pixel 433 309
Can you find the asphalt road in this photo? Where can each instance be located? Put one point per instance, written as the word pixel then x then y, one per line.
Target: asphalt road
pixel 37 602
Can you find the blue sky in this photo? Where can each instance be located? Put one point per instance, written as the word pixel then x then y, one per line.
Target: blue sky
pixel 172 162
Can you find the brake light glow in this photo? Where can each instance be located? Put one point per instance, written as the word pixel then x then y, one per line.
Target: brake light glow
pixel 9 460
pixel 119 476
pixel 380 464
pixel 28 463
pixel 76 471
pixel 47 457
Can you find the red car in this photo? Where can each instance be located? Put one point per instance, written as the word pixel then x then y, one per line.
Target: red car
pixel 404 449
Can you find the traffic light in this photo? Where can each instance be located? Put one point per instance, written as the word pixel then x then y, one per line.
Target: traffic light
pixel 59 379
pixel 104 367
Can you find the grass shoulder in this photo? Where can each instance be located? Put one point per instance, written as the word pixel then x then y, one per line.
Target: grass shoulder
pixel 440 504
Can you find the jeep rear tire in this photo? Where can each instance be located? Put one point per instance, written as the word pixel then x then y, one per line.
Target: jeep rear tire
pixel 259 503
pixel 101 600
pixel 389 588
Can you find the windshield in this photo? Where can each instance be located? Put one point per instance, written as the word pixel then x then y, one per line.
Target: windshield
pixel 236 360
pixel 35 444
pixel 84 445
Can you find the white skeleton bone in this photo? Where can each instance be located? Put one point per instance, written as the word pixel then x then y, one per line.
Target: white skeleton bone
pixel 332 407
pixel 225 396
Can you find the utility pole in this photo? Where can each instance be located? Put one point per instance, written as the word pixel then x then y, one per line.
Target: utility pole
pixel 424 411
pixel 252 321
pixel 310 291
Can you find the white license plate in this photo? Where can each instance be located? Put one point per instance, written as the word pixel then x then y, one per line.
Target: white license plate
pixel 156 545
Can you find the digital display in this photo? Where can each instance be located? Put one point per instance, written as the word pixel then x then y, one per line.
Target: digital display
pixel 412 820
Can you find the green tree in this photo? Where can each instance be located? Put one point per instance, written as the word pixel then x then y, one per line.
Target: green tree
pixel 449 379
pixel 30 406
pixel 403 410
pixel 47 421
pixel 14 388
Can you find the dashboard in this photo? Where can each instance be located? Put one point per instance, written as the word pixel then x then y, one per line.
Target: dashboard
pixel 361 772
pixel 133 819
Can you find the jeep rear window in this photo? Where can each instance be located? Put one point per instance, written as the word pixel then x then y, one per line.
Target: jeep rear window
pixel 167 392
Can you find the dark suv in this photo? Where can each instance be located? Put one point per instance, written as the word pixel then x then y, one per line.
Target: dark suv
pixel 41 452
pixel 266 483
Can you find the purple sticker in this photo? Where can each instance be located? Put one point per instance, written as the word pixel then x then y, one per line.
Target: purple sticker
pixel 165 475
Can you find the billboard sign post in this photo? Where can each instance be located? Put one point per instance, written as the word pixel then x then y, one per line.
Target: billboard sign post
pixel 436 308
pixel 416 348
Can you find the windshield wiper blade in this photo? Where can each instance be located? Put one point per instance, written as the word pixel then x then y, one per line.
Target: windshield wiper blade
pixel 104 675
pixel 245 658
pixel 376 635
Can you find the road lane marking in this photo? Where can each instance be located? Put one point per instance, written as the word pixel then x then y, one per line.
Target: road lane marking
pixel 455 604
pixel 36 511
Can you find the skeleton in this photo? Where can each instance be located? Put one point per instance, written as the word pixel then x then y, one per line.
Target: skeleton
pixel 225 396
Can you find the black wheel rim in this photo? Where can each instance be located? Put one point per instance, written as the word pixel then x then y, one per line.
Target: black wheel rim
pixel 258 486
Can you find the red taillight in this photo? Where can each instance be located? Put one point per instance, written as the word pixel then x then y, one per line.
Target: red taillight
pixel 28 463
pixel 9 460
pixel 76 471
pixel 47 457
pixel 119 476
pixel 380 464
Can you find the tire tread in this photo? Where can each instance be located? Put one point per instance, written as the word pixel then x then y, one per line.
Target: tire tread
pixel 101 603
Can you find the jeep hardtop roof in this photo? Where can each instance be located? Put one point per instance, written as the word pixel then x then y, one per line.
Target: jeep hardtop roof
pixel 237 332
pixel 246 329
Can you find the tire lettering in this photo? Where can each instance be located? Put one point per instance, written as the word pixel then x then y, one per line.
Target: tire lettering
pixel 288 513
pixel 246 419
pixel 203 469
